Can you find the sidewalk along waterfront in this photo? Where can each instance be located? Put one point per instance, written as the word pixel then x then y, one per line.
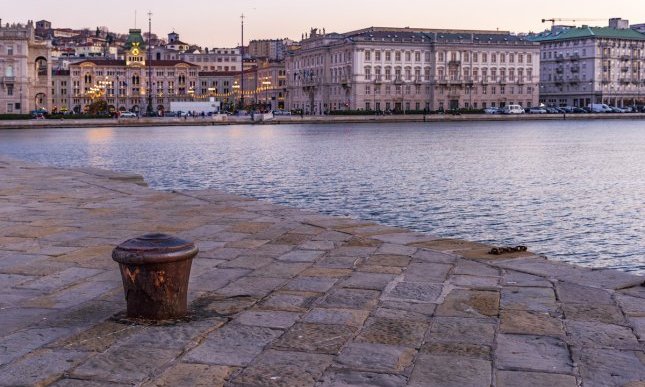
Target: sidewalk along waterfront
pixel 330 119
pixel 284 297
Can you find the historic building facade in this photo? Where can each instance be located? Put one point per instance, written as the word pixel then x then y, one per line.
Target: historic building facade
pixel 404 69
pixel 123 84
pixel 25 70
pixel 587 65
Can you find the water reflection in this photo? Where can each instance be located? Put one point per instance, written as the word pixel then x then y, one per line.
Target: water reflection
pixel 570 190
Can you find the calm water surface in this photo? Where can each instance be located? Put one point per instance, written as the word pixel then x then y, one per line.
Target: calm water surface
pixel 574 191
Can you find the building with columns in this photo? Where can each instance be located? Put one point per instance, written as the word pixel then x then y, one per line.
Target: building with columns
pixel 25 70
pixel 406 69
pixel 583 65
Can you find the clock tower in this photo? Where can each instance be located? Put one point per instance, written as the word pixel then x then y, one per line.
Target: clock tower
pixel 135 49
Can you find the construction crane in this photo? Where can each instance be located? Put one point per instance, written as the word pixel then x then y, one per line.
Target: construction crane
pixel 554 20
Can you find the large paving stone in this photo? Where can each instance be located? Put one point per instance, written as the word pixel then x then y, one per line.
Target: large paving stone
pixel 607 367
pixel 315 338
pixel 604 279
pixel 424 255
pixel 530 323
pixel 40 368
pixel 462 330
pixel 534 379
pixel 466 350
pixel 20 343
pixel 97 338
pixel 252 286
pixel 301 256
pixel 232 345
pixel 449 371
pixel 352 317
pixel 631 306
pixel 468 267
pixel 290 301
pixel 532 353
pixel 585 334
pixel 475 282
pixel 269 319
pixel 311 284
pixel 570 293
pixel 388 260
pixel 374 281
pixel 348 378
pixel 413 292
pixel 601 313
pixel 470 303
pixel 125 364
pixel 61 279
pixel 393 332
pixel 427 272
pixel 530 299
pixel 176 336
pixel 515 278
pixel 376 357
pixel 350 299
pixel 197 375
pixel 279 368
pixel 280 270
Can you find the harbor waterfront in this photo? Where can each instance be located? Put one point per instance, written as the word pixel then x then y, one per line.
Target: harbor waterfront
pixel 284 297
pixel 571 190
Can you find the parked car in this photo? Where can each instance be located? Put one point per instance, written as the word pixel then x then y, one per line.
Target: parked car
pixel 600 108
pixel 128 115
pixel 513 109
pixel 281 113
pixel 491 110
pixel 537 110
pixel 579 110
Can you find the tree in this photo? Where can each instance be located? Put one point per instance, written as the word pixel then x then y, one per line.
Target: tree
pixel 98 106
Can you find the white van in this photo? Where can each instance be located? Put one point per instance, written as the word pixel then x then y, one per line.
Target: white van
pixel 513 109
pixel 600 108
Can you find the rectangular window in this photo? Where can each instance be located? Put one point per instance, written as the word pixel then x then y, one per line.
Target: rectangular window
pixel 388 56
pixel 397 56
pixel 368 55
pixel 377 55
pixel 408 56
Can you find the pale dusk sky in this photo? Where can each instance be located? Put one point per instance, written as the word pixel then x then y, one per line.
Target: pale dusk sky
pixel 216 23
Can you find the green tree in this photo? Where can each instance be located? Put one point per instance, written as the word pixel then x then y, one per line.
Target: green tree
pixel 99 106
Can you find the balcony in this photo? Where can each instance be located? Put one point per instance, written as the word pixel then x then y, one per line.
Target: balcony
pixel 418 80
pixel 502 81
pixel 442 80
pixel 574 80
pixel 575 69
pixel 624 69
pixel 469 81
pixel 456 81
pixel 520 81
pixel 575 57
pixel 309 82
pixel 8 80
pixel 559 58
pixel 605 81
pixel 625 58
pixel 378 79
pixel 625 81
pixel 559 70
pixel 454 63
pixel 485 81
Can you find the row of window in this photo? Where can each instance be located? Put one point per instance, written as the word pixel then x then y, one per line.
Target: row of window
pixel 450 56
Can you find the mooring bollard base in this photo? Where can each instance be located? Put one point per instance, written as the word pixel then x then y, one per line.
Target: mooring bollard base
pixel 155 269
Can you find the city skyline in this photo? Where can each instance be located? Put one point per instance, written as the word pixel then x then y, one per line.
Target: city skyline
pixel 209 25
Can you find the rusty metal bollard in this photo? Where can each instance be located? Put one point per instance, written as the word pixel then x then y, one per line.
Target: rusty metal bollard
pixel 155 269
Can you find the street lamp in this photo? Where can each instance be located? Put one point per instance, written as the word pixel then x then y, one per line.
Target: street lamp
pixel 236 88
pixel 266 83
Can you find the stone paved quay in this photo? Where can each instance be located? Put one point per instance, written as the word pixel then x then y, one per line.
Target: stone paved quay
pixel 284 297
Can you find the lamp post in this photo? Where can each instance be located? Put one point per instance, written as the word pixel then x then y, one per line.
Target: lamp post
pixel 266 83
pixel 236 88
pixel 150 110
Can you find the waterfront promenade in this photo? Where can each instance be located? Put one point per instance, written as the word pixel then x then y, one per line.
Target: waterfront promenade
pixel 294 119
pixel 284 297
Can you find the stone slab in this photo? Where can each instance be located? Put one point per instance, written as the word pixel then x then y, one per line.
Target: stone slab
pixel 533 353
pixel 376 358
pixel 450 371
pixel 280 368
pixel 234 345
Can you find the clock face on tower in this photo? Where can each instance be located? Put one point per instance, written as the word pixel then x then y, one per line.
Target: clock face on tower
pixel 135 51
